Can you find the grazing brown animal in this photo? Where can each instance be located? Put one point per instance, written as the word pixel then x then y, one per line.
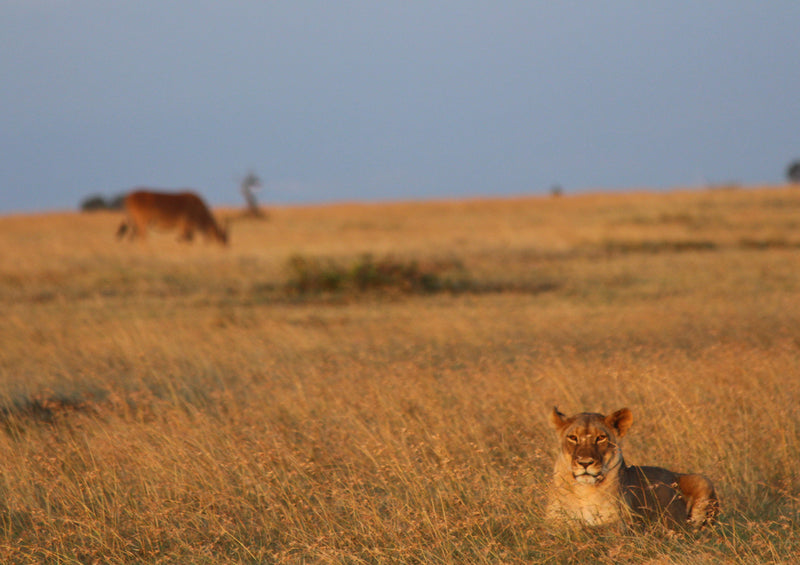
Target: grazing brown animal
pixel 593 485
pixel 184 211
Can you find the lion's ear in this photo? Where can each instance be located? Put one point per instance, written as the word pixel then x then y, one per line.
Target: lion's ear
pixel 558 419
pixel 621 420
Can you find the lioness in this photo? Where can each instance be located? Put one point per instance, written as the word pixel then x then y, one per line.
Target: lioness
pixel 184 210
pixel 593 485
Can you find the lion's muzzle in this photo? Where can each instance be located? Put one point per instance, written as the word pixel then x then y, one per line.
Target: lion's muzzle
pixel 588 470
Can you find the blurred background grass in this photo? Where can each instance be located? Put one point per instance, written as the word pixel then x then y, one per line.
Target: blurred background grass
pixel 172 403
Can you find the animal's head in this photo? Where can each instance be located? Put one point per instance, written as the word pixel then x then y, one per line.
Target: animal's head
pixel 590 443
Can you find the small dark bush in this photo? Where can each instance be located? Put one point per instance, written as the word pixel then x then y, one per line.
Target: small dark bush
pixel 93 203
pixel 98 202
pixel 388 273
pixel 308 276
pixel 793 172
pixel 312 275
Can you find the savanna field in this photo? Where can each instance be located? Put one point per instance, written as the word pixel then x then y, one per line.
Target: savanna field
pixel 371 383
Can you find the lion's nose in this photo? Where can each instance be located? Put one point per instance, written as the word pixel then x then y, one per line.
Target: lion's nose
pixel 585 462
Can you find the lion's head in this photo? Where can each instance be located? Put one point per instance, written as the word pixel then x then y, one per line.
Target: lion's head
pixel 589 443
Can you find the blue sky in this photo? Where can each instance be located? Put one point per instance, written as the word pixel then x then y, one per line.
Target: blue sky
pixel 357 100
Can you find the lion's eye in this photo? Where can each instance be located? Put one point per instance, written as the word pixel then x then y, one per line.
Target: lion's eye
pixel 601 439
pixel 572 438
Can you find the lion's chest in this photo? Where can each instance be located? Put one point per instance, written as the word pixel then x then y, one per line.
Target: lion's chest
pixel 594 505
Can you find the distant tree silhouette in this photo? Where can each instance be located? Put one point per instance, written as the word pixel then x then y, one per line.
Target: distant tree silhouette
pixel 793 172
pixel 98 202
pixel 93 202
pixel 250 184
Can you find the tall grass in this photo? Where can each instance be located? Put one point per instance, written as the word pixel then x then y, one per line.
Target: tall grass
pixel 169 404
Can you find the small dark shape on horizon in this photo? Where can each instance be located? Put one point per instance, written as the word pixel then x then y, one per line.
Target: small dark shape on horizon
pixel 97 202
pixel 793 172
pixel 250 184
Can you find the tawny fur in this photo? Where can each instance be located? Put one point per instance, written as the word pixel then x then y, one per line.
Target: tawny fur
pixel 593 485
pixel 184 211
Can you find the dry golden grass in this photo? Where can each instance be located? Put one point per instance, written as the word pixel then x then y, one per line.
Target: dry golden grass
pixel 166 403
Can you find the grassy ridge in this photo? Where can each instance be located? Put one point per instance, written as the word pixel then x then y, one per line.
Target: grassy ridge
pixel 165 403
